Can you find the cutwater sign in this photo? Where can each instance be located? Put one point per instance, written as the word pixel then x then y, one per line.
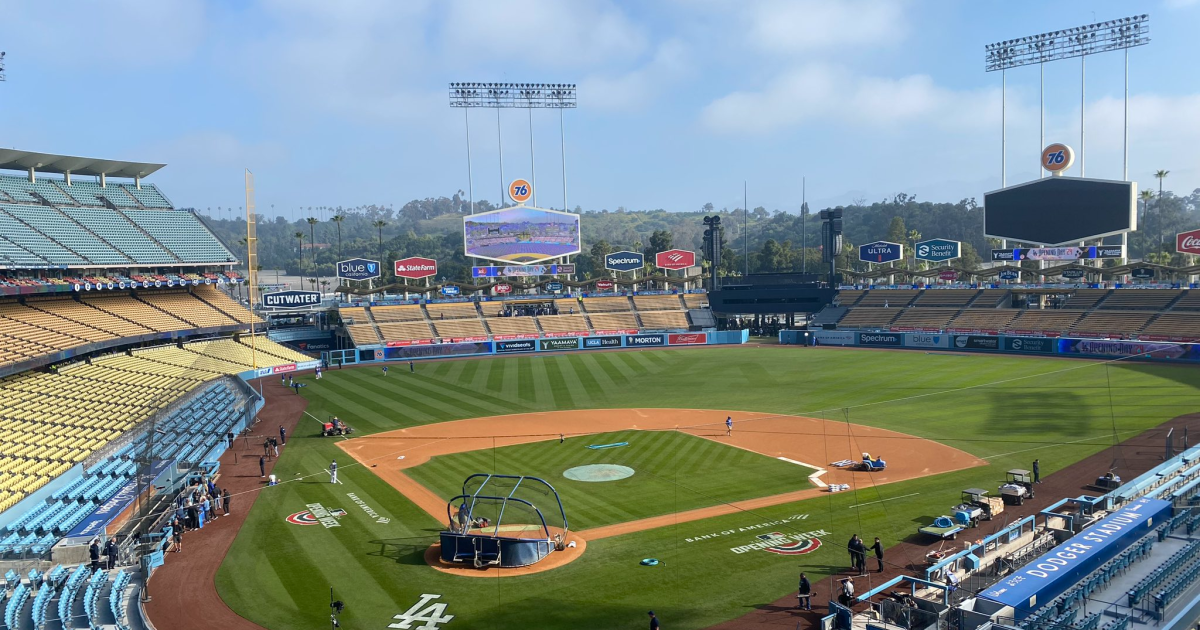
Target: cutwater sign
pixel 880 252
pixel 938 250
pixel 358 269
pixel 624 261
pixel 291 299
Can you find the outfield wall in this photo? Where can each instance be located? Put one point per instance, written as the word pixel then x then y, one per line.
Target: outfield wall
pixel 1010 344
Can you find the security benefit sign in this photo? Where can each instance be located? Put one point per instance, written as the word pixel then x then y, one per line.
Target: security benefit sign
pixel 291 299
pixel 880 252
pixel 358 269
pixel 938 250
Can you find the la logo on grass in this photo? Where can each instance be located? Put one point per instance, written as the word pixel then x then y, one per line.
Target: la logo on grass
pixel 432 614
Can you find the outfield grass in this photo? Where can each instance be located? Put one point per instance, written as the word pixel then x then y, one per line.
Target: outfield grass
pixel 1002 408
pixel 673 472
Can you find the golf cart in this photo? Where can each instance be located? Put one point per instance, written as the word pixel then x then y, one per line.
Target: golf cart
pixel 976 506
pixel 1017 486
pixel 1107 482
pixel 335 427
pixel 870 465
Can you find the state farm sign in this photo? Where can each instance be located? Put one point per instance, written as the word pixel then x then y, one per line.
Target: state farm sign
pixel 1188 242
pixel 675 259
pixel 416 267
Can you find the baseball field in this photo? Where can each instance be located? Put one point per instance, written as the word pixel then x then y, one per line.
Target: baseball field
pixel 731 519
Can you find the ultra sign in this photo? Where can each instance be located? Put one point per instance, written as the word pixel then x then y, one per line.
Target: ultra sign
pixel 358 269
pixel 938 249
pixel 624 261
pixel 880 252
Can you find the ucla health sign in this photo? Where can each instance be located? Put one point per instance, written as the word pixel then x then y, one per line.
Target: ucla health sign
pixel 880 252
pixel 938 250
pixel 358 269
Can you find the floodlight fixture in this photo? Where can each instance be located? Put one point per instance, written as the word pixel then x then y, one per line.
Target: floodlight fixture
pixel 1 65
pixel 513 95
pixel 1119 34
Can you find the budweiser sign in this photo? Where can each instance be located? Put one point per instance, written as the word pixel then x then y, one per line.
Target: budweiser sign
pixel 1188 242
pixel 416 267
pixel 675 259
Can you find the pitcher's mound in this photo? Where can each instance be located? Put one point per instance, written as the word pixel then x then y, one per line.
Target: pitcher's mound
pixel 598 472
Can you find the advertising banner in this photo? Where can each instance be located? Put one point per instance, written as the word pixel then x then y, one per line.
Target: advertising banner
pixel 880 339
pixel 1188 242
pixel 675 259
pixel 925 340
pixel 880 252
pixel 1057 253
pixel 604 285
pixel 358 269
pixel 1072 273
pixel 949 274
pixel 564 343
pixel 520 345
pixel 624 261
pixel 416 267
pixel 522 271
pixel 1008 274
pixel 635 341
pixel 503 288
pixel 453 290
pixel 106 512
pixel 521 235
pixel 938 250
pixel 409 342
pixel 976 342
pixel 554 287
pixel 1142 273
pixel 835 337
pixel 1030 344
pixel 291 299
pixel 602 342
pixel 1127 348
pixel 687 339
pixel 433 351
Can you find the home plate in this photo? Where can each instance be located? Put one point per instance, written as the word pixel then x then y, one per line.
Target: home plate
pixel 401 457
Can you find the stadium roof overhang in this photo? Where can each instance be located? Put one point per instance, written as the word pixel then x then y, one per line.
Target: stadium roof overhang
pixel 12 159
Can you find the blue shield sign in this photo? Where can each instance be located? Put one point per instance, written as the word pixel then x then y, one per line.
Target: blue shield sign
pixel 358 269
pixel 938 250
pixel 624 261
pixel 880 252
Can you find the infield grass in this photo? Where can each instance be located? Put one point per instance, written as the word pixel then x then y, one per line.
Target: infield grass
pixel 672 472
pixel 1005 409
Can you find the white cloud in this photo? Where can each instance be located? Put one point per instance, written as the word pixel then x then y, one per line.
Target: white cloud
pixel 802 26
pixel 1181 4
pixel 545 33
pixel 634 89
pixel 825 93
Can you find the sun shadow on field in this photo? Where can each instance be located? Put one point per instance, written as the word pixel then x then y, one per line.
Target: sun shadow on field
pixel 1016 412
pixel 403 550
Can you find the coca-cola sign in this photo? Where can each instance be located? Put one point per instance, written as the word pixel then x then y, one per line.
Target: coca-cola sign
pixel 1188 242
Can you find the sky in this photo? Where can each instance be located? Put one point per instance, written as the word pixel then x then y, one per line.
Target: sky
pixel 680 101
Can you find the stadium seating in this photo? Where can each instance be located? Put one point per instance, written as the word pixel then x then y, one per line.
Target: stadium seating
pixel 664 320
pixel 1115 323
pixel 148 195
pixel 848 297
pixel 405 331
pixel 90 193
pixel 990 298
pixel 177 230
pixel 614 321
pixel 116 229
pixel 562 323
pixel 657 303
pixel 458 328
pixel 354 315
pixel 137 311
pixel 397 313
pixel 1045 320
pixel 219 300
pixel 924 318
pixel 1189 302
pixel 187 307
pixel 512 325
pixel 606 304
pixel 1140 299
pixel 869 317
pixel 1186 325
pixel 895 298
pixel 695 300
pixel 451 310
pixel 67 233
pixel 1084 299
pixel 36 243
pixel 363 334
pixel 569 306
pixel 957 298
pixel 983 319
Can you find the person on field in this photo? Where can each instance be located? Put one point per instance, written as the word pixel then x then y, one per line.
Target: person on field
pixel 878 549
pixel 275 447
pixel 385 370
pixel 333 472
pixel 110 554
pixel 262 466
pixel 804 595
pixel 1037 471
pixel 94 554
pixel 728 426
pixel 410 366
pixel 654 621
pixel 846 596
pixel 226 506
pixel 283 434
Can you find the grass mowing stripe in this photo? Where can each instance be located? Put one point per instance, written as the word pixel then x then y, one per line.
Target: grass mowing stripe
pixel 558 385
pixel 524 376
pixel 609 365
pixel 483 404
pixel 495 374
pixel 597 374
pixel 431 408
pixel 543 388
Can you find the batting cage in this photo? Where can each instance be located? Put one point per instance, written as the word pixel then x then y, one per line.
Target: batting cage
pixel 498 520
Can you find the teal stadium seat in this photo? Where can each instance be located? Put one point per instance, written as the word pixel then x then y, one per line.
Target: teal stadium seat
pixel 118 230
pixel 183 234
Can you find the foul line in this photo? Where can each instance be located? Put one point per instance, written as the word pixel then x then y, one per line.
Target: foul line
pixel 882 500
pixel 1038 448
pixel 814 478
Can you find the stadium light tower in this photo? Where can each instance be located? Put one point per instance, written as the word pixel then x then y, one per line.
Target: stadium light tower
pixel 1 65
pixel 1119 34
pixel 529 96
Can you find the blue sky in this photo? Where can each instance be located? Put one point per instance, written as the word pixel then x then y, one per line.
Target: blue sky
pixel 345 103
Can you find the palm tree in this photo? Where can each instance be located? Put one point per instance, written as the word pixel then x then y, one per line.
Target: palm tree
pixel 1161 175
pixel 312 243
pixel 300 237
pixel 380 224
pixel 337 220
pixel 1146 196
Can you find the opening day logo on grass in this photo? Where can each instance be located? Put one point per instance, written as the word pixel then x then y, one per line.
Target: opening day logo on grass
pixel 788 544
pixel 317 513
